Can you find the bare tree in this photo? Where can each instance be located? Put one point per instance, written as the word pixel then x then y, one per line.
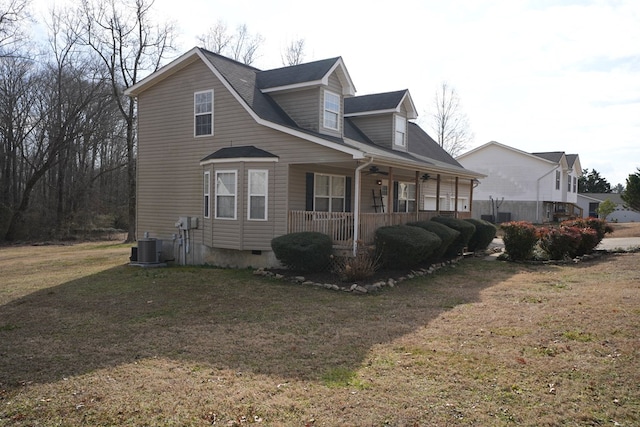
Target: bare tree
pixel 242 46
pixel 293 53
pixel 130 46
pixel 449 122
pixel 217 39
pixel 12 12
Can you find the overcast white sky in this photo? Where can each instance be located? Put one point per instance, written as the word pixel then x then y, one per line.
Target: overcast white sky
pixel 537 75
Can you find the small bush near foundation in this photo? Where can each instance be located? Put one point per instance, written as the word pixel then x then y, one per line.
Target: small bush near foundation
pixel 465 228
pixel 560 243
pixel 361 266
pixel 305 251
pixel 403 246
pixel 446 234
pixel 483 236
pixel 520 238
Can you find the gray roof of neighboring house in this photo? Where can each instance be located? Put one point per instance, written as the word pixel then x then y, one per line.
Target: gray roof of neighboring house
pixel 248 151
pixel 553 156
pixel 571 159
pixel 308 72
pixel 614 197
pixel 373 102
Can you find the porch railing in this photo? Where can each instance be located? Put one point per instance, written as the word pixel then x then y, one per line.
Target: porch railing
pixel 339 225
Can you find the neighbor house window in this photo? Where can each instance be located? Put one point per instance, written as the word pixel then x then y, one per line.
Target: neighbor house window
pixel 257 197
pixel 406 197
pixel 569 184
pixel 575 184
pixel 557 180
pixel 206 194
pixel 331 110
pixel 401 132
pixel 329 193
pixel 226 185
pixel 203 111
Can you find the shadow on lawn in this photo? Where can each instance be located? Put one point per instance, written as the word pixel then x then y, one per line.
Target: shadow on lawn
pixel 220 319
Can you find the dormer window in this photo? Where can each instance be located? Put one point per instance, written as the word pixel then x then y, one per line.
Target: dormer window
pixel 400 139
pixel 331 110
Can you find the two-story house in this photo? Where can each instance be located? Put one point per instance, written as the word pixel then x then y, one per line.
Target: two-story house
pixel 230 156
pixel 520 186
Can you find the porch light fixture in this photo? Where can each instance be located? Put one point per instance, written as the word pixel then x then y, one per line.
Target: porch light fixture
pixel 425 177
pixel 379 181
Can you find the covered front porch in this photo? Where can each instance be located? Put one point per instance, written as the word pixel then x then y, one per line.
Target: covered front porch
pixel 340 225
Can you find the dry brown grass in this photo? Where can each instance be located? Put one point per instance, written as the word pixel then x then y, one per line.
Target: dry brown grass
pixel 625 229
pixel 86 340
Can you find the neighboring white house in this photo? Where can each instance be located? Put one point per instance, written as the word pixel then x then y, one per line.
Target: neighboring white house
pixel 520 186
pixel 590 202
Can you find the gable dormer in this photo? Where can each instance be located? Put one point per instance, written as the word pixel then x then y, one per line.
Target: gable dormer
pixel 383 117
pixel 311 94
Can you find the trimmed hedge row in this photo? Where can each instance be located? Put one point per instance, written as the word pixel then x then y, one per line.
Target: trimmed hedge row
pixel 572 238
pixel 398 246
pixel 403 246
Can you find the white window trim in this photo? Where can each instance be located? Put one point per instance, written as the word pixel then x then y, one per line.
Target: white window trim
pixel 396 132
pixel 330 196
pixel 266 194
pixel 325 110
pixel 235 195
pixel 195 114
pixel 207 194
pixel 408 199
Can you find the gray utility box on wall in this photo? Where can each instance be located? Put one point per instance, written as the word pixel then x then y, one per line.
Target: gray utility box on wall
pixel 149 251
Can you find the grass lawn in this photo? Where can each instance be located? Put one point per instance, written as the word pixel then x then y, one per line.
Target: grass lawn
pixel 88 340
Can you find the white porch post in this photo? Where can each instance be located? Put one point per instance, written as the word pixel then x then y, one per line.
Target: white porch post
pixel 356 204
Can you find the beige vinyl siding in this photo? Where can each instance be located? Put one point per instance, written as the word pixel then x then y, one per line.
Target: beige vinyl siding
pixel 301 106
pixel 169 171
pixel 378 128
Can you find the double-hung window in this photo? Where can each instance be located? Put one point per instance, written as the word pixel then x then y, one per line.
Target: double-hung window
pixel 406 197
pixel 329 194
pixel 207 194
pixel 226 194
pixel 575 184
pixel 557 180
pixel 203 113
pixel 401 132
pixel 331 110
pixel 257 197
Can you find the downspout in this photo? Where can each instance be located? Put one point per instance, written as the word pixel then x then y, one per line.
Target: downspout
pixel 538 194
pixel 356 205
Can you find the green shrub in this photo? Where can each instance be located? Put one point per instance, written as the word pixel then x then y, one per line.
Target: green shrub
pixel 446 234
pixel 483 236
pixel 520 238
pixel 560 243
pixel 305 251
pixel 466 230
pixel 403 246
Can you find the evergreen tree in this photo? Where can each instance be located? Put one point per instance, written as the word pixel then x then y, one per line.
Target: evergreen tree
pixel 631 194
pixel 592 182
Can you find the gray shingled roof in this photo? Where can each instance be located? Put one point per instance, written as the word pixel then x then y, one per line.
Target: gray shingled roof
pixel 295 74
pixel 248 151
pixel 571 159
pixel 373 102
pixel 421 143
pixel 553 156
pixel 244 80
